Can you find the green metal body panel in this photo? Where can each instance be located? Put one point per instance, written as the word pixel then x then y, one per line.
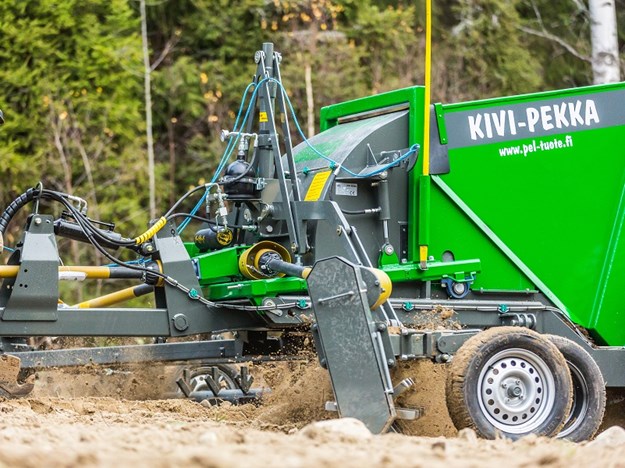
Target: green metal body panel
pixel 534 199
pixel 256 290
pixel 537 194
pixel 218 265
pixel 413 98
pixel 220 278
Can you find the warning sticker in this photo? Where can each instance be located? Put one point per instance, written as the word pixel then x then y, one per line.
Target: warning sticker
pixel 317 185
pixel 262 117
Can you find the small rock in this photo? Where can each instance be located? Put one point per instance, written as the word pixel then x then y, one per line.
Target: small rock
pixel 468 434
pixel 439 445
pixel 612 437
pixel 208 438
pixel 345 429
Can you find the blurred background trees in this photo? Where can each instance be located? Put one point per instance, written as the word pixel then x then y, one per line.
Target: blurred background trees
pixel 71 78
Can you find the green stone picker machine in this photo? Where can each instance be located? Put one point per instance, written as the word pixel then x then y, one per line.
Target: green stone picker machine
pixel 497 217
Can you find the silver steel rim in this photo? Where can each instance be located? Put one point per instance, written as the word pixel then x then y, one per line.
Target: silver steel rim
pixel 516 391
pixel 197 383
pixel 579 408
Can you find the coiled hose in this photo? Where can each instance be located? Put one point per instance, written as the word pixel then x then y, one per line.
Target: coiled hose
pixel 15 206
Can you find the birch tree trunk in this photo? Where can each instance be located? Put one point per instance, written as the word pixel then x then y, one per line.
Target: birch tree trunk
pixel 310 101
pixel 148 109
pixel 605 53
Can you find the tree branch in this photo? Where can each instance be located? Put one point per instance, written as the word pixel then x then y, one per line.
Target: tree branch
pixel 552 37
pixel 168 48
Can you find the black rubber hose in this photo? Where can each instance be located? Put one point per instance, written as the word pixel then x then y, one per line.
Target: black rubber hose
pixel 15 206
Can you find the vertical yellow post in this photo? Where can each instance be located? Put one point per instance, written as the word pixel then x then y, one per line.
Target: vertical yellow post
pixel 425 150
pixel 428 82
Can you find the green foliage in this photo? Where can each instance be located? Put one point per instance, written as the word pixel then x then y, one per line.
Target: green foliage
pixel 71 94
pixel 567 21
pixel 490 50
pixel 71 81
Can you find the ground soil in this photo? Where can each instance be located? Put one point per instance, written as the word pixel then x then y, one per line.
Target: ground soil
pixel 104 417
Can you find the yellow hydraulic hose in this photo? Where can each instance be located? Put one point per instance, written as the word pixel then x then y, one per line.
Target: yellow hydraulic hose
pixel 147 235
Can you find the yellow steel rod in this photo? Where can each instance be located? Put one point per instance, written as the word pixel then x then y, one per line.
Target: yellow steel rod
pixel 8 271
pixel 94 272
pixel 115 297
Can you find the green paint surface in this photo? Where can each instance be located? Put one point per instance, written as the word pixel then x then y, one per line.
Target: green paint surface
pixel 558 208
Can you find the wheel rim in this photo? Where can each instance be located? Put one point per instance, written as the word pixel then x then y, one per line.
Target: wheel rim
pixel 516 391
pixel 197 380
pixel 579 407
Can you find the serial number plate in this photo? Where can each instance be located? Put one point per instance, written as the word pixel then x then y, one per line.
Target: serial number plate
pixel 348 190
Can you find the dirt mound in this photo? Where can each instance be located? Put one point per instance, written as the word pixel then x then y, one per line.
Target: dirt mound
pixel 299 391
pixel 427 393
pixel 129 382
pixel 94 432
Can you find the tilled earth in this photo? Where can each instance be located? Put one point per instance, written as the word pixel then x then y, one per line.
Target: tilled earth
pixel 102 417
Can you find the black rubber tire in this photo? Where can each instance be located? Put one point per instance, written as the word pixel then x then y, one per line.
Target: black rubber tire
pixel 589 394
pixel 529 364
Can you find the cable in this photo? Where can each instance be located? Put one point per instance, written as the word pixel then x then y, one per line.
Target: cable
pixel 185 196
pixel 203 219
pixel 413 149
pixel 361 212
pixel 227 152
pixel 229 148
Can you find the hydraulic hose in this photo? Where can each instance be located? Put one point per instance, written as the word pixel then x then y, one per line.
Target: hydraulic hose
pixel 15 206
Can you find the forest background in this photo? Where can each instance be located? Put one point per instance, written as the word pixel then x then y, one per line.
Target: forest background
pixel 72 81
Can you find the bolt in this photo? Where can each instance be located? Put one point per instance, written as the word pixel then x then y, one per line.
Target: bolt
pixel 388 249
pixel 391 362
pixel 37 221
pixel 180 322
pixel 149 248
pixel 504 385
pixel 381 327
pixel 339 230
pixel 444 357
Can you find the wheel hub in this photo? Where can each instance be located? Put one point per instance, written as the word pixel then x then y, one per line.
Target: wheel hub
pixel 516 390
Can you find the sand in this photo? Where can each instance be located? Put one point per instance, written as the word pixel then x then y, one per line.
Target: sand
pixel 101 417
